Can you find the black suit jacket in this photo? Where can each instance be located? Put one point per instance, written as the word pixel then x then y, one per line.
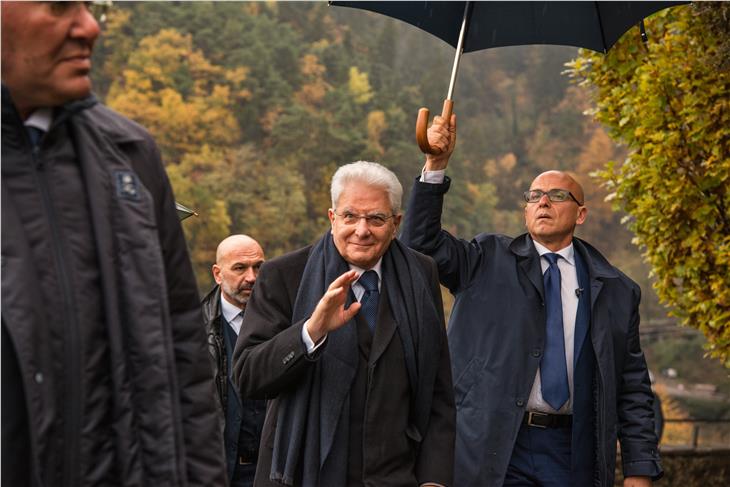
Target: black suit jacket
pixel 383 447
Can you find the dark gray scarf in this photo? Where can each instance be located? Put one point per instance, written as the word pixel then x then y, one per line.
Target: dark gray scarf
pixel 312 419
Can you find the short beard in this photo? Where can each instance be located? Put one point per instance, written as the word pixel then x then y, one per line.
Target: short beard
pixel 236 295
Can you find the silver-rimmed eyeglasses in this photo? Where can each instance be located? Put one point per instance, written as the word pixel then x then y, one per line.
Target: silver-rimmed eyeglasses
pixel 374 220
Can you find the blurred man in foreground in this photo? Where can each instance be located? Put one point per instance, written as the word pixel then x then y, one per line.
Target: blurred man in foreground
pixel 105 378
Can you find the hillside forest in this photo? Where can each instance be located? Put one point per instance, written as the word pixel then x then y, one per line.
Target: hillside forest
pixel 255 104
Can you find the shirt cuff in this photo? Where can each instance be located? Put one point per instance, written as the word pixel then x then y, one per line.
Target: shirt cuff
pixel 432 177
pixel 308 342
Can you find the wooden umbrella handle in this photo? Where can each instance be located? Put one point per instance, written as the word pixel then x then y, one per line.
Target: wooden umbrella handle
pixel 422 126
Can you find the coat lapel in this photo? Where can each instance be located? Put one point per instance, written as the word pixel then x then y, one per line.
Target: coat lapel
pixel 598 269
pixel 384 331
pixel 583 314
pixel 529 261
pixel 339 366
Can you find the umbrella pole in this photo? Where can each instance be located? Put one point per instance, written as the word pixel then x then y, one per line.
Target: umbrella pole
pixel 459 50
pixel 423 113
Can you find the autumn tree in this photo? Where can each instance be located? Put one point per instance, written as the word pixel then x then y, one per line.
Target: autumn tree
pixel 196 181
pixel 182 98
pixel 187 104
pixel 668 101
pixel 235 191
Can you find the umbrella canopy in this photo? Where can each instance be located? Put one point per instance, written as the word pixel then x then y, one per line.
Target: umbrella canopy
pixel 472 26
pixel 183 211
pixel 593 25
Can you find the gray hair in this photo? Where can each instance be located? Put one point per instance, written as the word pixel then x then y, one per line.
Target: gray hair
pixel 371 174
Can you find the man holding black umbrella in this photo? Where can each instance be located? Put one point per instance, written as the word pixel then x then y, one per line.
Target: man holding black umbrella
pixel 544 340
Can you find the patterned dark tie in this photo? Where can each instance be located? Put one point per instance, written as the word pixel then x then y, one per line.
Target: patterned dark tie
pixel 553 370
pixel 34 133
pixel 369 300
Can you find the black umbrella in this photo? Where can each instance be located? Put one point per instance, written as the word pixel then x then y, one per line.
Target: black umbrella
pixel 472 26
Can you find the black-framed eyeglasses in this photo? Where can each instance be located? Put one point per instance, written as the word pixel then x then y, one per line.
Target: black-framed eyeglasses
pixel 555 195
pixel 375 220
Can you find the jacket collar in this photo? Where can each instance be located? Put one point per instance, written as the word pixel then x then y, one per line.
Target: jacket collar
pixel 60 114
pixel 598 266
pixel 522 246
pixel 68 110
pixel 113 128
pixel 211 305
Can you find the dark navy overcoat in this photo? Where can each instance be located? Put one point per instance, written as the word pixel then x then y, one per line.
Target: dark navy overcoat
pixel 497 336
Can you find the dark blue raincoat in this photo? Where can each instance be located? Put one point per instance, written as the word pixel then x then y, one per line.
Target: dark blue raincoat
pixel 497 335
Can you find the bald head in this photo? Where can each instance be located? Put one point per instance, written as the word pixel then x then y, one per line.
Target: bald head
pixel 233 243
pixel 552 223
pixel 238 259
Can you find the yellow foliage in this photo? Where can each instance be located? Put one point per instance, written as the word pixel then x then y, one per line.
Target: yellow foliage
pixel 671 111
pixel 376 126
pixel 359 86
pixel 183 99
pixel 490 168
pixel 312 93
pixel 507 162
pixel 268 120
pixel 310 66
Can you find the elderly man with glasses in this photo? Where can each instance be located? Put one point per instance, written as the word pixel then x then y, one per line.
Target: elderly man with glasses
pixel 347 339
pixel 544 339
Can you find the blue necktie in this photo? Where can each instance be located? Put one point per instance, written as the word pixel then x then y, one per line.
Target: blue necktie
pixel 553 370
pixel 34 133
pixel 369 300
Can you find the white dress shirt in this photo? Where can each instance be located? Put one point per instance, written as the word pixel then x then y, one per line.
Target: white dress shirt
pixel 232 314
pixel 569 298
pixel 41 118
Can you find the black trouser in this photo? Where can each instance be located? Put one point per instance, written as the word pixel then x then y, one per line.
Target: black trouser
pixel 243 475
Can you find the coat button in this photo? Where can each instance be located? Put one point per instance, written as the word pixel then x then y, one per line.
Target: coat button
pixel 536 352
pixel 520 402
pixel 38 378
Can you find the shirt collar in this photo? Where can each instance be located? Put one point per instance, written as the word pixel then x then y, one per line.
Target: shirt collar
pixel 229 311
pixel 41 119
pixel 376 268
pixel 567 253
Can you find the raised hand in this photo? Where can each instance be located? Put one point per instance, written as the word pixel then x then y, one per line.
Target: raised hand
pixel 442 137
pixel 330 313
